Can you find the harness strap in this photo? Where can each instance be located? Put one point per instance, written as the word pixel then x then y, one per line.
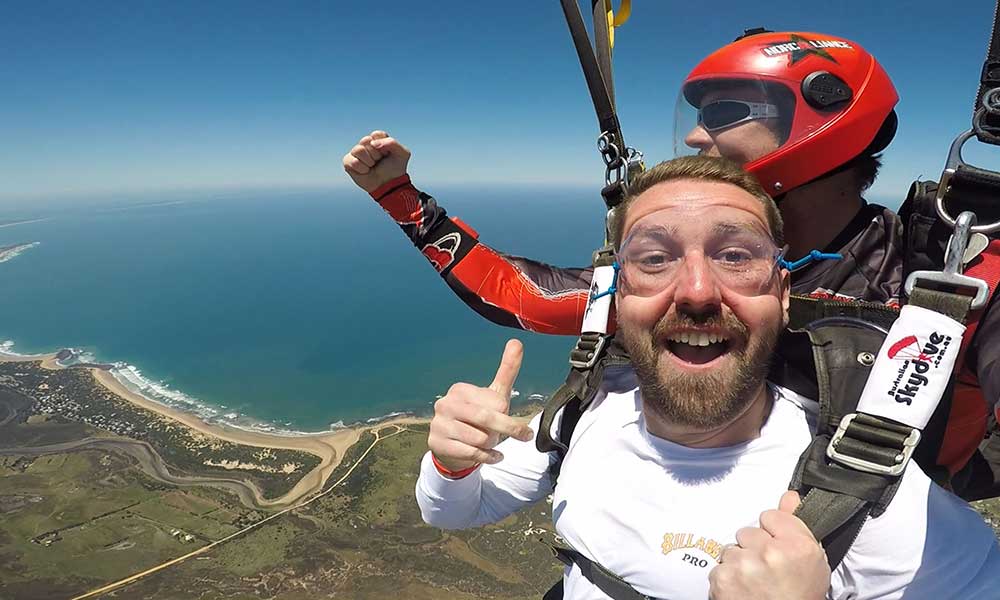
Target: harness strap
pixel 803 310
pixel 597 81
pixel 956 306
pixel 603 43
pixel 847 472
pixel 990 79
pixel 606 581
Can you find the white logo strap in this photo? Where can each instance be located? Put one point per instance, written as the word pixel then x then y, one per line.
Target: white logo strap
pixel 913 367
pixel 595 319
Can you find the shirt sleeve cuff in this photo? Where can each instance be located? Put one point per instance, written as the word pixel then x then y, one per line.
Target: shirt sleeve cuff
pixel 391 186
pixel 440 487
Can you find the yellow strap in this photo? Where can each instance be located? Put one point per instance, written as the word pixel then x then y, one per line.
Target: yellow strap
pixel 617 20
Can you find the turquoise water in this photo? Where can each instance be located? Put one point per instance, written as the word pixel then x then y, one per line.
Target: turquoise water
pixel 298 308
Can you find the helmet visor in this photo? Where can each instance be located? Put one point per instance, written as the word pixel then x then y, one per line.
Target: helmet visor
pixel 740 119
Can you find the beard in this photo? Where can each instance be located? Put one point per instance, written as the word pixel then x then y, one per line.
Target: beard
pixel 708 400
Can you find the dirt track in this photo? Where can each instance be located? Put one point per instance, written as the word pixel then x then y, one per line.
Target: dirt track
pixel 151 464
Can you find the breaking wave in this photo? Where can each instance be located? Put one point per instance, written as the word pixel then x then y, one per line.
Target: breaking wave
pixel 134 380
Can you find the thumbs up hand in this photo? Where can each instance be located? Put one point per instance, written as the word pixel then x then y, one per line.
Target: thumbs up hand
pixel 780 560
pixel 469 420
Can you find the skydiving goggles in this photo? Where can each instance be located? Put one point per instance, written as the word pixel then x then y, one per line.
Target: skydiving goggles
pixel 658 252
pixel 726 113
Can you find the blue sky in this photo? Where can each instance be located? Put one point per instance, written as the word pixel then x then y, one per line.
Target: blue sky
pixel 126 96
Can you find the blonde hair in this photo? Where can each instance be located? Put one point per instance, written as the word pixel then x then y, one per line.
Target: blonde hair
pixel 700 168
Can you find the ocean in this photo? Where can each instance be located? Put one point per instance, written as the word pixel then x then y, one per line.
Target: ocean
pixel 298 310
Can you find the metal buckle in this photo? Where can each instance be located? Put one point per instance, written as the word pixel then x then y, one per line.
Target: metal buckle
pixel 595 354
pixel 951 276
pixel 953 164
pixel 909 445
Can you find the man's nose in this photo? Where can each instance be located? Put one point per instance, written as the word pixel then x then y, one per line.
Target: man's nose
pixel 698 138
pixel 697 290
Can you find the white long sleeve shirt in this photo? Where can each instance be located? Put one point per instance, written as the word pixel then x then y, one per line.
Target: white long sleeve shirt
pixel 657 513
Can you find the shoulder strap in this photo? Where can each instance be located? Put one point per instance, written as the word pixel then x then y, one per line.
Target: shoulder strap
pixel 590 357
pixel 842 487
pixel 606 581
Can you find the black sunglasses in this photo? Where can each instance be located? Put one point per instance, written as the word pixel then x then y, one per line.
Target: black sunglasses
pixel 726 113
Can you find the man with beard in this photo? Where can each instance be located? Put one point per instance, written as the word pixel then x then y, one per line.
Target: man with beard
pixel 808 115
pixel 674 471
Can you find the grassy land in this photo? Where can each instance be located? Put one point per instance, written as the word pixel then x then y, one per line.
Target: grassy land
pixel 78 520
pixel 365 541
pixel 73 522
pixel 75 405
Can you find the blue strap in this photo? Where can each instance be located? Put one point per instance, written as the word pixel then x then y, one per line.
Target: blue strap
pixel 614 285
pixel 814 255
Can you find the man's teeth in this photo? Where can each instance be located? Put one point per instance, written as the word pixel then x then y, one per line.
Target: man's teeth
pixel 695 338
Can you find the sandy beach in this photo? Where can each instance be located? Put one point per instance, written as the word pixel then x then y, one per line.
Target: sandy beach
pixel 329 447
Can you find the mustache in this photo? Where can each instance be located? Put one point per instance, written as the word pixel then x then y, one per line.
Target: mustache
pixel 725 321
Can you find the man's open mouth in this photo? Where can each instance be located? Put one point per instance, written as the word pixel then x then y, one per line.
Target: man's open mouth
pixel 698 347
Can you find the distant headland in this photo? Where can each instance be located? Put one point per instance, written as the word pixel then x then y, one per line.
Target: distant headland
pixel 10 252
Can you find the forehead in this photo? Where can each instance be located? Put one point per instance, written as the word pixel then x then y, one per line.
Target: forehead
pixel 697 202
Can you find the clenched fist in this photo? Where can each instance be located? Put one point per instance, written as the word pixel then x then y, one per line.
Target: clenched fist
pixel 375 160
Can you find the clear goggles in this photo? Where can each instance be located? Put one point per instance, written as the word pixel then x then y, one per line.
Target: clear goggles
pixel 725 243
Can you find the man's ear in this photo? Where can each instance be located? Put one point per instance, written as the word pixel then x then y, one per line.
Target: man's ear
pixel 786 293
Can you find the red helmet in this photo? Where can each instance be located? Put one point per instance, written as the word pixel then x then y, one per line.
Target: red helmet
pixel 830 100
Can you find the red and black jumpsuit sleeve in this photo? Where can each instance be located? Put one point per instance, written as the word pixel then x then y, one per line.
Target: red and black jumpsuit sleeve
pixel 508 290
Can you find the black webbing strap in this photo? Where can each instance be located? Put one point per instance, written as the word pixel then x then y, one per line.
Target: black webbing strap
pixel 956 306
pixel 803 310
pixel 573 389
pixel 989 129
pixel 841 496
pixel 597 81
pixel 573 397
pixel 827 511
pixel 602 45
pixel 838 498
pixel 606 581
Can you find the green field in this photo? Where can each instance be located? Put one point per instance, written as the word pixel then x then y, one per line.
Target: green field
pixel 365 540
pixel 73 521
pixel 70 523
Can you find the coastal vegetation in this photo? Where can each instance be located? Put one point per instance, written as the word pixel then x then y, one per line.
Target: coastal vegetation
pixel 66 399
pixel 72 522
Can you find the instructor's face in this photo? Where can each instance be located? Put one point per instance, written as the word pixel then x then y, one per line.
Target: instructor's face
pixel 700 337
pixel 742 143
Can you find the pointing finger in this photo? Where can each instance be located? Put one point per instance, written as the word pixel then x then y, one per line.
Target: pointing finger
pixel 510 365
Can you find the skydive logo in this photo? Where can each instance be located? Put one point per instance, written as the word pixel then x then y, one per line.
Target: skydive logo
pixel 918 360
pixel 442 252
pixel 798 47
pixel 594 291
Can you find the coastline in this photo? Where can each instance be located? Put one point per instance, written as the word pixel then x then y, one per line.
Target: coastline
pixel 329 447
pixel 12 252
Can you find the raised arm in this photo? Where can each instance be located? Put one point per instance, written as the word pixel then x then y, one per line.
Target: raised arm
pixel 508 290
